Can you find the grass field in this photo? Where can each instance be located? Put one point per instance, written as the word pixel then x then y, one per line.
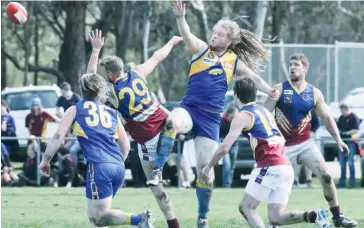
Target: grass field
pixel 51 208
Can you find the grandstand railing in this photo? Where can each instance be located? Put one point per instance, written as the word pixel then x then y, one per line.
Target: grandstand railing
pixel 322 141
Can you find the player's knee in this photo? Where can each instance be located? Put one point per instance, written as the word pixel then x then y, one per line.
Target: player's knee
pixel 325 178
pixel 274 219
pixel 244 210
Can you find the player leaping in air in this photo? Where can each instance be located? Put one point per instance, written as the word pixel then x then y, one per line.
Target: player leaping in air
pixel 144 118
pixel 105 146
pixel 231 51
pixel 273 178
pixel 292 114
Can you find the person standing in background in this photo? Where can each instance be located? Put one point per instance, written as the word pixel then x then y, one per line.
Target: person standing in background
pixel 229 159
pixel 8 129
pixel 36 121
pixel 348 124
pixel 67 99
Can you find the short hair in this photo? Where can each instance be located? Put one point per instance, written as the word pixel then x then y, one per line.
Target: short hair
pixel 246 90
pixel 112 64
pixel 93 86
pixel 344 106
pixel 65 86
pixel 301 57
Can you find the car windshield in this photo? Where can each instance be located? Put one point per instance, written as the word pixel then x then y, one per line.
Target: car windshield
pixel 355 100
pixel 21 100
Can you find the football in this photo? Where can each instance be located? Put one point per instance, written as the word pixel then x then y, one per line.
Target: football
pixel 16 13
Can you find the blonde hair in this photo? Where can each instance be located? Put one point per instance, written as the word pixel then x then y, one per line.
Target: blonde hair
pixel 245 44
pixel 93 86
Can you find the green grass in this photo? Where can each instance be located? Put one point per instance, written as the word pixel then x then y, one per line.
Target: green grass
pixel 51 208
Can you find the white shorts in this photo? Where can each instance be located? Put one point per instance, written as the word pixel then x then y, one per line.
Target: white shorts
pixel 148 150
pixel 274 182
pixel 298 153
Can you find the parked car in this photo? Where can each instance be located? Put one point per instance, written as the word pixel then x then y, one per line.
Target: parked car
pixel 19 99
pixel 354 99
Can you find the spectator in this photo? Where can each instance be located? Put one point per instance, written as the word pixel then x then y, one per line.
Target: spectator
pixel 67 99
pixel 8 128
pixel 315 124
pixel 188 160
pixel 348 125
pixel 65 176
pixel 29 175
pixel 8 176
pixel 36 121
pixel 229 159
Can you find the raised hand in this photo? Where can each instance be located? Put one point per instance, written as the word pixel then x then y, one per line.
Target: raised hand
pixel 96 39
pixel 179 8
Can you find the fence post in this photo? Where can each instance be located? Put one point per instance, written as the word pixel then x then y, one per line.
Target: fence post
pixel 38 161
pixel 336 71
pixel 178 163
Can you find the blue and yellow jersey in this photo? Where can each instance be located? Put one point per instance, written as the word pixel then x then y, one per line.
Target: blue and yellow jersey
pixel 264 136
pixel 133 99
pixel 208 80
pixel 293 112
pixel 95 126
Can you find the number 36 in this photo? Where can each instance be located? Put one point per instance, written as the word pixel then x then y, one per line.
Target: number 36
pixel 94 118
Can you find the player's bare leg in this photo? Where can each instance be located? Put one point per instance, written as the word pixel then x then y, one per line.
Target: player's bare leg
pixel 205 149
pixel 100 214
pixel 248 209
pixel 179 121
pixel 160 194
pixel 313 159
pixel 278 216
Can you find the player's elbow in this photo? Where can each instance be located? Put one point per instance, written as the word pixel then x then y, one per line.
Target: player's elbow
pixel 224 149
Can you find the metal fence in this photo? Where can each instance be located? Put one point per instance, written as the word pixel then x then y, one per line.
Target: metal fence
pixel 334 69
pixel 321 142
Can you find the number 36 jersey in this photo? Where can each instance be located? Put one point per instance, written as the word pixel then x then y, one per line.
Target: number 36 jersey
pixel 95 126
pixel 144 117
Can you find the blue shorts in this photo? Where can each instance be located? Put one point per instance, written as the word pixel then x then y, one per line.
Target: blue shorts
pixel 103 179
pixel 205 124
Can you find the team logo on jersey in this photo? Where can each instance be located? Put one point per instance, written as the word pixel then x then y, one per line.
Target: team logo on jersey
pixel 289 92
pixel 228 65
pixel 306 97
pixel 215 72
pixel 210 55
pixel 208 61
pixel 288 99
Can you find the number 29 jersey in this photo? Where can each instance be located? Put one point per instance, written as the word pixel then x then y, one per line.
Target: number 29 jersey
pixel 95 126
pixel 144 117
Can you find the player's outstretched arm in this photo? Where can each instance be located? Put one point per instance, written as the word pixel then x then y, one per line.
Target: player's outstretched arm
pixel 194 44
pixel 146 68
pixel 243 70
pixel 123 139
pixel 241 120
pixel 271 102
pixel 97 41
pixel 324 112
pixel 57 140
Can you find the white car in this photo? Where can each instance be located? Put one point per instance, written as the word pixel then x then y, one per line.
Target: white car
pixel 19 99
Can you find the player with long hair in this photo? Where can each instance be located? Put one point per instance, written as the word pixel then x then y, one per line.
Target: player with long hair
pixel 231 52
